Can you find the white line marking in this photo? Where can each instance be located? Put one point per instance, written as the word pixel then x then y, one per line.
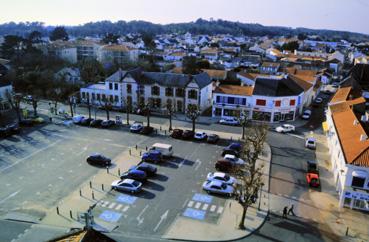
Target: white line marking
pixel 205 207
pixel 220 210
pixel 181 164
pixel 164 216
pixel 143 210
pixel 118 207
pixel 190 203
pixel 10 196
pixel 105 204
pixel 212 208
pixel 198 204
pixel 125 208
pixel 185 202
pixel 111 205
pixel 297 136
pixel 198 164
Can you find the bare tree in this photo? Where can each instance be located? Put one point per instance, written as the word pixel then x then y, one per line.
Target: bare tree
pixel 35 101
pixel 106 103
pixel 193 113
pixel 128 105
pixel 244 121
pixel 250 176
pixel 146 109
pixel 71 102
pixel 171 110
pixel 15 99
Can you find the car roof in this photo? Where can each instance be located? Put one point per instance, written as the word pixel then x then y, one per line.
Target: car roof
pixel 216 183
pixel 220 174
pixel 130 181
pixel 230 156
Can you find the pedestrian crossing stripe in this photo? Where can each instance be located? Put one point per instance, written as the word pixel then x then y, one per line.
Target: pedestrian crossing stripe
pixel 125 208
pixel 212 208
pixel 205 207
pixel 198 205
pixel 118 207
pixel 190 203
pixel 220 210
pixel 111 205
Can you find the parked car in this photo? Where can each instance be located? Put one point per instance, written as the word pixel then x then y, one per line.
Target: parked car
pixel 147 130
pixel 136 127
pixel 147 168
pixel 232 149
pixel 176 133
pixel 14 128
pixel 218 187
pixel 135 175
pixel 318 100
pixel 165 149
pixel 99 160
pixel 229 121
pixel 234 159
pixel 38 120
pixel 200 135
pixel 212 138
pixel 96 123
pixel 310 143
pixel 28 99
pixel 154 156
pixel 78 119
pixel 4 132
pixel 285 128
pixel 127 185
pixel 313 179
pixel 107 123
pixel 86 121
pixel 306 114
pixel 224 165
pixel 26 122
pixel 188 134
pixel 221 176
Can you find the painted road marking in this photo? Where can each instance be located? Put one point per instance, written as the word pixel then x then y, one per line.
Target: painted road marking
pixel 198 205
pixel 119 206
pixel 111 205
pixel 205 207
pixel 105 204
pixel 10 196
pixel 125 208
pixel 127 199
pixel 194 213
pixel 110 216
pixel 220 210
pixel 212 208
pixel 190 203
pixel 202 198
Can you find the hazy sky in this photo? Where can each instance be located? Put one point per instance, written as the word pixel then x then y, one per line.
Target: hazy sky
pixel 352 15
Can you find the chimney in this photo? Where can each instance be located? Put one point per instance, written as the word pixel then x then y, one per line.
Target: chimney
pixel 363 137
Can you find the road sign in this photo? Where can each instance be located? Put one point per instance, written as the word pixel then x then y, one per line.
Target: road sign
pixel 202 198
pixel 110 216
pixel 194 213
pixel 127 199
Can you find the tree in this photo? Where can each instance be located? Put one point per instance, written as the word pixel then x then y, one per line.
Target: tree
pixel 171 110
pixel 291 46
pixel 244 121
pixel 128 104
pixel 146 109
pixel 250 176
pixel 59 33
pixel 110 39
pixel 193 113
pixel 15 99
pixel 12 45
pixel 148 39
pixel 189 65
pixel 34 37
pixel 301 36
pixel 107 106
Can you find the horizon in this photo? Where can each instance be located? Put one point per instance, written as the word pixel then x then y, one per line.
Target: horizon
pixel 339 15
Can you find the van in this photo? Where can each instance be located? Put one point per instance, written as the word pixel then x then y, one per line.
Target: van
pixel 165 149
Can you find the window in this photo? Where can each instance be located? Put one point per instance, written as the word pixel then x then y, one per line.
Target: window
pixel 98 97
pixel 218 99
pixel 192 94
pixel 93 96
pixel 179 92
pixel 292 102
pixel 103 97
pixel 358 181
pixel 260 102
pixel 116 99
pixel 111 98
pixel 231 100
pixel 155 90
pixel 157 103
pixel 115 86
pixel 218 112
pixel 110 86
pixel 169 91
pixel 129 88
pixel 277 103
pixel 83 95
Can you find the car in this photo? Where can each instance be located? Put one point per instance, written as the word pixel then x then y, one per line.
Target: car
pixel 14 128
pixel 306 114
pixel 234 146
pixel 229 121
pixel 166 150
pixel 285 128
pixel 218 187
pixel 318 100
pixel 86 121
pixel 221 176
pixel 200 135
pixel 212 138
pixel 232 149
pixel 127 185
pixel 99 160
pixel 28 98
pixel 310 143
pixel 313 179
pixel 234 159
pixel 176 133
pixel 38 120
pixel 224 165
pixel 107 123
pixel 95 123
pixel 4 132
pixel 188 134
pixel 312 166
pixel 77 119
pixel 135 175
pixel 136 127
pixel 149 169
pixel 147 130
pixel 154 156
pixel 26 122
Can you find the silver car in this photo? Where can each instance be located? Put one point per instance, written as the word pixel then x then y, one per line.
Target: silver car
pixel 221 176
pixel 127 185
pixel 218 187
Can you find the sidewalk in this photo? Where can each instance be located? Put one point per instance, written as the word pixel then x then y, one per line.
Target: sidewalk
pixel 227 226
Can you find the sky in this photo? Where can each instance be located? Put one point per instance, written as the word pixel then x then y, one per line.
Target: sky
pixel 350 15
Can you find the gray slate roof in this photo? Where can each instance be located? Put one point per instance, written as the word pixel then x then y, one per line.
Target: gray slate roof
pixel 276 87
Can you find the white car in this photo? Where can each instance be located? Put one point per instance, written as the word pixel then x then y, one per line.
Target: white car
pixel 285 128
pixel 221 176
pixel 200 135
pixel 306 114
pixel 318 100
pixel 77 119
pixel 136 127
pixel 127 185
pixel 229 121
pixel 218 187
pixel 234 159
pixel 310 143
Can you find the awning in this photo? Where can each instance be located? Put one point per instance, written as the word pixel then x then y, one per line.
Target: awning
pixel 361 174
pixel 325 126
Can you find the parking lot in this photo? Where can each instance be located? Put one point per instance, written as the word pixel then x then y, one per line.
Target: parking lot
pixel 44 164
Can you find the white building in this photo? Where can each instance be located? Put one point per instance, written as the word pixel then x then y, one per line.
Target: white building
pixel 5 89
pixel 70 75
pixel 120 54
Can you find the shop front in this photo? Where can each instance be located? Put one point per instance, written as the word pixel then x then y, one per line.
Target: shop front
pixel 356 200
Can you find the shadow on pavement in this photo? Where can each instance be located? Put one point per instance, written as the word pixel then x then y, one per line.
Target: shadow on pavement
pixel 160 177
pixel 153 186
pixel 145 194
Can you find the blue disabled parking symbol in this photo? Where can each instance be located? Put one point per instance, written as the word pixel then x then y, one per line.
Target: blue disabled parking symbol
pixel 127 199
pixel 198 197
pixel 194 213
pixel 110 216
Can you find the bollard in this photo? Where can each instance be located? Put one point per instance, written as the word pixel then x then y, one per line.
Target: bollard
pixel 93 195
pixel 347 231
pixel 90 184
pixel 165 132
pixel 146 148
pixel 70 213
pixel 231 138
pixel 57 210
pixel 102 187
pixel 160 128
pixel 80 192
pixel 140 152
pixel 136 147
pixel 129 151
pixel 118 171
pixel 156 131
pixel 107 169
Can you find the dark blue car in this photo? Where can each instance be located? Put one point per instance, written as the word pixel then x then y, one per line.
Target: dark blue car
pixel 154 156
pixel 150 170
pixel 232 149
pixel 135 175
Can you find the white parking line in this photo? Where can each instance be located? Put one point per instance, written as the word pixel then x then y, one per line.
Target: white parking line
pixel 220 210
pixel 198 204
pixel 111 205
pixel 104 204
pixel 118 207
pixel 205 207
pixel 212 208
pixel 125 208
pixel 190 203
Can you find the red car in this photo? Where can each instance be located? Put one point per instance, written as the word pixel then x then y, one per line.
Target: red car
pixel 313 179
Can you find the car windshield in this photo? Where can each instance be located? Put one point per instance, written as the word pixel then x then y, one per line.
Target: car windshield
pixel 136 183
pixel 224 186
pixel 311 141
pixel 226 178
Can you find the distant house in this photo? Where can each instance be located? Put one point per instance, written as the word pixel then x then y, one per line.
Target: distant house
pixel 269 67
pixel 120 54
pixel 64 50
pixel 210 54
pixel 70 75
